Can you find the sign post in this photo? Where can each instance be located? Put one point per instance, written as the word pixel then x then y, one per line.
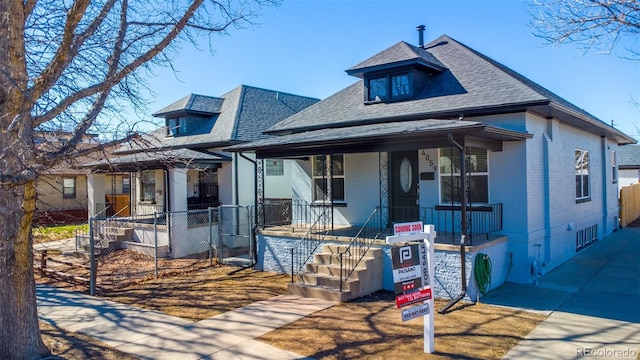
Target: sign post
pixel 413 274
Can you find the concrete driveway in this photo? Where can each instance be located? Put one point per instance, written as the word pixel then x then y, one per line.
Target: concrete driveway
pixel 593 303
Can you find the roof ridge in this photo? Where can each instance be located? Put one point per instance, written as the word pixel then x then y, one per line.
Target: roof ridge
pixel 240 107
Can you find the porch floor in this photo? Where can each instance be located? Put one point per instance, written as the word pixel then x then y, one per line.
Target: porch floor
pixel 346 233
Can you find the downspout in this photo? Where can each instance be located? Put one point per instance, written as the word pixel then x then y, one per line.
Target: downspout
pixel 605 207
pixel 167 203
pixel 547 196
pixel 463 236
pixel 236 196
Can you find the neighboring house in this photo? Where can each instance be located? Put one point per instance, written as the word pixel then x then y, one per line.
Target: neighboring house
pixel 628 158
pixel 537 168
pixel 62 189
pixel 181 166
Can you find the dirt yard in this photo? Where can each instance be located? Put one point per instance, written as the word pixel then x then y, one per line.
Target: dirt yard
pixel 368 328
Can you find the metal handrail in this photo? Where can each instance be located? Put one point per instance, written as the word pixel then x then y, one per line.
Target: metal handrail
pixel 307 245
pixel 358 247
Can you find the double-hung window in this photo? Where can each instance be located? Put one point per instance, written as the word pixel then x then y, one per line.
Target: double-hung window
pixel 582 175
pixel 477 171
pixel 69 188
pixel 328 182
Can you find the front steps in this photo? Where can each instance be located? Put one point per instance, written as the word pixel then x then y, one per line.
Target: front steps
pixel 108 240
pixel 321 278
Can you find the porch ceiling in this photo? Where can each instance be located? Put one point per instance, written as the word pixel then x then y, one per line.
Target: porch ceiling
pixel 160 159
pixel 389 136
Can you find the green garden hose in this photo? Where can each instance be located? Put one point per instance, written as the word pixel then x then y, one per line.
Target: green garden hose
pixel 482 272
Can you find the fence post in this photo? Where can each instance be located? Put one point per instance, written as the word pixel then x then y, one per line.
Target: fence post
pixel 43 261
pixel 220 242
pixel 210 236
pixel 155 241
pixel 92 259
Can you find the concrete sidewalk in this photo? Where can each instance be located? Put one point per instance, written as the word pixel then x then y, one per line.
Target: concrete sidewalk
pixel 154 335
pixel 592 300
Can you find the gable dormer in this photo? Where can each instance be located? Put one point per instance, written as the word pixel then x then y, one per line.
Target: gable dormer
pixel 397 73
pixel 191 115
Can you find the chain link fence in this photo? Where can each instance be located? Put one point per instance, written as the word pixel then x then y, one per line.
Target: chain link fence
pixel 132 249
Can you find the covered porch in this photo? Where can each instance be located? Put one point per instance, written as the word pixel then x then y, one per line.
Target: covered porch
pixel 435 171
pixel 144 183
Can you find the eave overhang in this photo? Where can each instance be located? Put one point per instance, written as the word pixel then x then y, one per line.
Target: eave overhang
pixel 421 134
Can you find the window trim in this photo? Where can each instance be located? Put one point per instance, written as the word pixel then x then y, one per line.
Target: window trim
pixel 442 174
pixel 279 167
pixel 614 167
pixel 72 195
pixel 142 187
pixel 325 176
pixel 583 198
pixel 127 189
pixel 389 86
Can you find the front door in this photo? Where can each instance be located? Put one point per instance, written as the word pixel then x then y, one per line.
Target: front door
pixel 403 183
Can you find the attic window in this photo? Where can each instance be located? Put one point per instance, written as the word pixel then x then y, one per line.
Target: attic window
pixel 176 126
pixel 189 124
pixel 389 87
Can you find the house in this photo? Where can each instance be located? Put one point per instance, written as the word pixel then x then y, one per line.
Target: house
pixel 442 133
pixel 182 166
pixel 628 158
pixel 62 189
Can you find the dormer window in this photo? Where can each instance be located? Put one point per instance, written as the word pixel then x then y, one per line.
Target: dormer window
pixel 189 124
pixel 389 87
pixel 176 126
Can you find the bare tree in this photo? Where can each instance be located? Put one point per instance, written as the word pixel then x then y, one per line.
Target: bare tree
pixel 63 66
pixel 589 23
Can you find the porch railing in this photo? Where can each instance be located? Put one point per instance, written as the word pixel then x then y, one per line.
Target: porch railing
pixel 291 213
pixel 481 219
pixel 359 245
pixel 304 250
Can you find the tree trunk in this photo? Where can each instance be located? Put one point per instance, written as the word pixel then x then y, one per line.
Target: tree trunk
pixel 20 336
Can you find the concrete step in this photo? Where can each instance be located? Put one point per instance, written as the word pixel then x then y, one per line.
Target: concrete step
pixel 328 281
pixel 319 292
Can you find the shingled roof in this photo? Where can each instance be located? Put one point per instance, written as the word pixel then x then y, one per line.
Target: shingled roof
pixel 399 54
pixel 240 115
pixel 470 83
pixel 628 157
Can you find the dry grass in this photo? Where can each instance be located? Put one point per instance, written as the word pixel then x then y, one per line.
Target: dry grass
pixel 368 328
pixel 371 328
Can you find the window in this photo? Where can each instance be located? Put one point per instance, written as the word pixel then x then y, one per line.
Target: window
pixel 389 87
pixel 148 186
pixel 126 185
pixel 477 169
pixel 400 85
pixel 275 167
pixel 378 88
pixel 321 185
pixel 582 175
pixel 614 167
pixel 176 126
pixel 69 188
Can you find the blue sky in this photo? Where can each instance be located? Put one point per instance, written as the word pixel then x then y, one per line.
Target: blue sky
pixel 304 46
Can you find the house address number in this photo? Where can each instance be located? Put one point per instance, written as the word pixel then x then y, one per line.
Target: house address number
pixel 429 161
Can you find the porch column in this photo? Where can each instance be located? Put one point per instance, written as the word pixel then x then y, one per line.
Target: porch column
pixel 260 192
pixel 177 189
pixel 96 194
